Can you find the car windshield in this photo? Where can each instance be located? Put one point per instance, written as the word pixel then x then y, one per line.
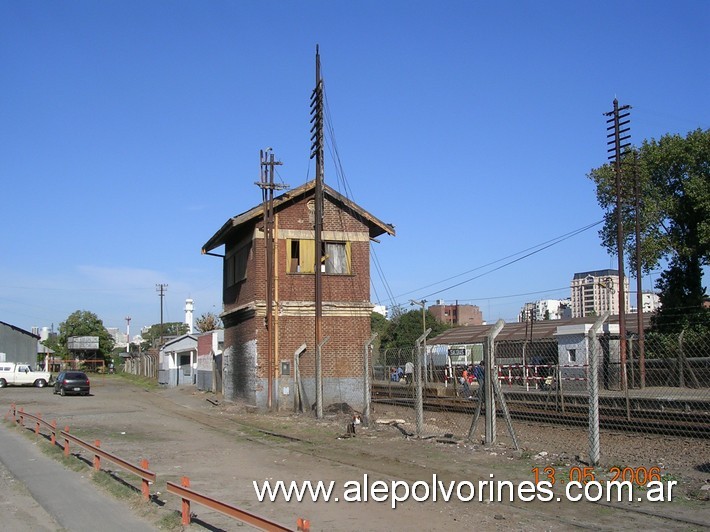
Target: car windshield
pixel 75 376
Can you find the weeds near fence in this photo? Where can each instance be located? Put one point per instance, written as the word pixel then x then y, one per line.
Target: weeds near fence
pixel 139 380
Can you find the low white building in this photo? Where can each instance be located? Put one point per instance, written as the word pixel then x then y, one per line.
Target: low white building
pixel 546 309
pixel 177 364
pixel 650 301
pixel 573 348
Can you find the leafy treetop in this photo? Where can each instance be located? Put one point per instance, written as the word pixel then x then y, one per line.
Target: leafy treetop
pixel 80 323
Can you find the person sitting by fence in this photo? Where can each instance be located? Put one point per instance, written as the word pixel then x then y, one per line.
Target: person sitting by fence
pixel 471 376
pixel 465 387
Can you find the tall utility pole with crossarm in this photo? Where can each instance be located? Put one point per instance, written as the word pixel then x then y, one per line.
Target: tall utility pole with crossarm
pixel 267 185
pixel 618 134
pixel 161 289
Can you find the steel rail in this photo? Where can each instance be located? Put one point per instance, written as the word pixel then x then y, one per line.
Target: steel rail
pixel 684 424
pixel 147 477
pixel 188 495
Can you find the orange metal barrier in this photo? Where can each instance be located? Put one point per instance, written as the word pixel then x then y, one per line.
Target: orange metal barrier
pixel 141 471
pixel 148 477
pixel 19 416
pixel 183 491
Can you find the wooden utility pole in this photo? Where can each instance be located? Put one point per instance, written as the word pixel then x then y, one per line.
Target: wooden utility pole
pixel 161 289
pixel 317 152
pixel 266 183
pixel 639 292
pixel 617 136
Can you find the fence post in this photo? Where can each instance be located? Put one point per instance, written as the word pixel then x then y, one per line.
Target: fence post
pixel 185 482
pixel 97 458
pixel 300 396
pixel 53 439
pixel 66 442
pixel 145 484
pixel 367 385
pixel 593 389
pixel 490 373
pixel 418 395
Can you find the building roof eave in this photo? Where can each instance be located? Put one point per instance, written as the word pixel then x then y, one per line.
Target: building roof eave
pixel 376 226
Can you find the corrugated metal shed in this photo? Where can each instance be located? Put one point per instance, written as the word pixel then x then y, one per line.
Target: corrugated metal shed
pixel 476 334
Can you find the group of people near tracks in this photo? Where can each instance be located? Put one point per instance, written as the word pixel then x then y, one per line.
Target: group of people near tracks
pixel 470 374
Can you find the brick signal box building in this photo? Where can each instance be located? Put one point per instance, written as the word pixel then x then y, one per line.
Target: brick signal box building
pixel 346 308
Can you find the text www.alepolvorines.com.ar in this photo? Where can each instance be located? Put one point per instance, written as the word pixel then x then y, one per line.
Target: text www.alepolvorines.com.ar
pixel 396 491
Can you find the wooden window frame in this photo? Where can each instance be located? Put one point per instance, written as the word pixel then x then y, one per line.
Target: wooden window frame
pixel 301 251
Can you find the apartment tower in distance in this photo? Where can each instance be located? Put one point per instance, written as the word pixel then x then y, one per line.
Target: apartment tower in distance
pixel 596 292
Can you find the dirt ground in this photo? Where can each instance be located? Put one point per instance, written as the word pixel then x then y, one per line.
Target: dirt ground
pixel 223 449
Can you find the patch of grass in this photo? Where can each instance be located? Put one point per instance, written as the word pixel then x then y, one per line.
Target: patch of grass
pixel 114 484
pixel 171 521
pixel 57 453
pixel 138 380
pixel 669 477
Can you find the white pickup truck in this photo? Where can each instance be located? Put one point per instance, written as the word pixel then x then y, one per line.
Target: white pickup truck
pixel 22 375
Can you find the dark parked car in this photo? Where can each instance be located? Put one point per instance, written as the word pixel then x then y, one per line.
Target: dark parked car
pixel 72 382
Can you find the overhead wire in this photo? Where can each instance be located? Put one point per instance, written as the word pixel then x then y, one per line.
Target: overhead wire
pixel 537 249
pixel 342 180
pixel 331 142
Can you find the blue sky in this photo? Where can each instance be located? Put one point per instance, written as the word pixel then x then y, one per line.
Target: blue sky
pixel 130 132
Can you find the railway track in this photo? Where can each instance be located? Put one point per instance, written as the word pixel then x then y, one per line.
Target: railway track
pixel 694 424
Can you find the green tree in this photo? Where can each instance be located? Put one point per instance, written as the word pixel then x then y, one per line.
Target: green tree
pixel 151 337
pixel 81 323
pixel 673 176
pixel 208 322
pixel 378 324
pixel 403 331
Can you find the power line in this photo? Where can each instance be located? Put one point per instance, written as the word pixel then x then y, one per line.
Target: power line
pixel 537 248
pixel 516 295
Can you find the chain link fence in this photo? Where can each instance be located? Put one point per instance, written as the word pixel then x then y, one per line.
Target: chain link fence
pixel 569 392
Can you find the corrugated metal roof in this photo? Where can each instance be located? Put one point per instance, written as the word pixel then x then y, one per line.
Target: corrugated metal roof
pixel 476 334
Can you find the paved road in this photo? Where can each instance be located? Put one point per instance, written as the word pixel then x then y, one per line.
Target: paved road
pixel 68 500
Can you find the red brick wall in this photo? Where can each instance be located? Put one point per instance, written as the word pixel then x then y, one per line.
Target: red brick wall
pixel 457 314
pixel 342 355
pixel 204 344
